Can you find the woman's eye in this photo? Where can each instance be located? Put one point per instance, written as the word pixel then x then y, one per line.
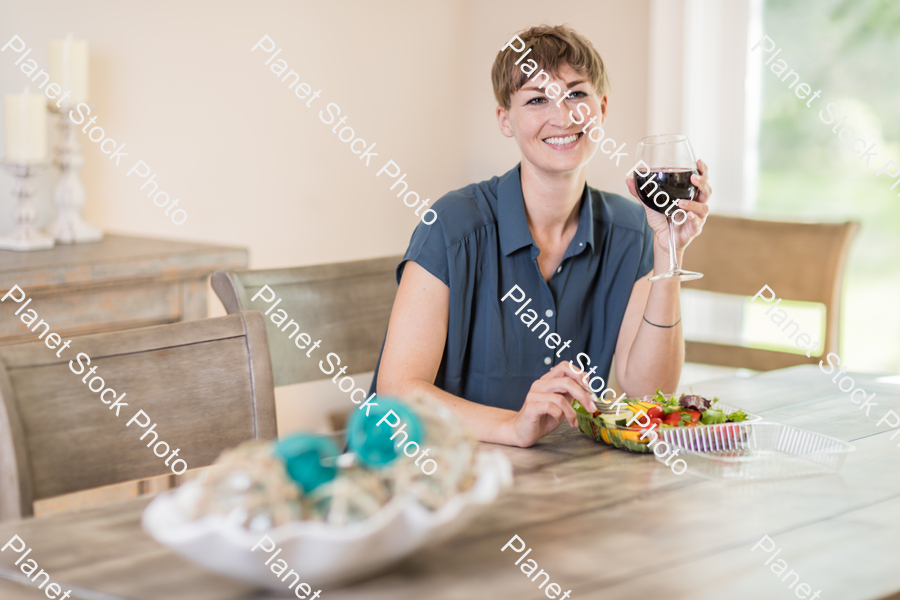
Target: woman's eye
pixel 577 95
pixel 537 100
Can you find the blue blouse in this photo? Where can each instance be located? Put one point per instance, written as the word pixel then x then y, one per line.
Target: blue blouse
pixel 481 248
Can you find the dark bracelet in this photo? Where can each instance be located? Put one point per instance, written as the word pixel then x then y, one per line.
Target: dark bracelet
pixel 664 326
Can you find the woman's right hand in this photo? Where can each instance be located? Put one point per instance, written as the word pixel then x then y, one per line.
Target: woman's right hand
pixel 548 404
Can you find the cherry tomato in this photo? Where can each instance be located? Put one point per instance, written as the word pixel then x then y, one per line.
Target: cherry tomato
pixel 656 412
pixel 673 418
pixel 695 415
pixel 653 425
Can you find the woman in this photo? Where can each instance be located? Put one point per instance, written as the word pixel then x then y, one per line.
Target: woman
pixel 460 331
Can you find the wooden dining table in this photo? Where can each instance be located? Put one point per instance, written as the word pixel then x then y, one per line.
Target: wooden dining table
pixel 604 523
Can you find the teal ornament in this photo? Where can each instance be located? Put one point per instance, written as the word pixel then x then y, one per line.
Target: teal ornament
pixel 372 443
pixel 303 454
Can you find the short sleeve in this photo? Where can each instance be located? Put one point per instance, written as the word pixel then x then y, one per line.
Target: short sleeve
pixel 646 263
pixel 428 249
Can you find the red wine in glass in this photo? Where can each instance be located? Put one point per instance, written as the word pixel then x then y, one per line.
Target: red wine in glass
pixel 675 183
pixel 666 180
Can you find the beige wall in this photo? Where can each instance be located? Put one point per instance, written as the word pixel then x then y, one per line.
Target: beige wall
pixel 252 164
pixel 254 167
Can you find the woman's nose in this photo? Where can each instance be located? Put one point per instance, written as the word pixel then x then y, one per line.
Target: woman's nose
pixel 560 117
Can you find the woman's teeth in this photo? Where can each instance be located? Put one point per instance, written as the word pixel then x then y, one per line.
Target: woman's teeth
pixel 562 141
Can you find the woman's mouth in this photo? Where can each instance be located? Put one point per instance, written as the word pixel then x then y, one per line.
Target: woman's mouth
pixel 563 142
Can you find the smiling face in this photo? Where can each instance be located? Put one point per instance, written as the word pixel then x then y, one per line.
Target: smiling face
pixel 549 140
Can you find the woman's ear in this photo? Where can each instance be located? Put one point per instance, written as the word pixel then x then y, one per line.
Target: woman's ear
pixel 603 102
pixel 503 121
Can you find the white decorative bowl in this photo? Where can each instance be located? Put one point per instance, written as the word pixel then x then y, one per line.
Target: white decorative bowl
pixel 321 553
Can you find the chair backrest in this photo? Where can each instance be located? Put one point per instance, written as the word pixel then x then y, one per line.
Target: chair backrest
pixel 799 261
pixel 345 305
pixel 207 385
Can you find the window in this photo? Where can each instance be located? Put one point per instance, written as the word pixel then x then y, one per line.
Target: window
pixel 846 49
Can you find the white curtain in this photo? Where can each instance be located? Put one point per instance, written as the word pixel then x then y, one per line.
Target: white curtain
pixel 705 83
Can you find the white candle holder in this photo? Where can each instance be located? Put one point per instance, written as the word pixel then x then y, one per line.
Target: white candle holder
pixel 69 196
pixel 25 236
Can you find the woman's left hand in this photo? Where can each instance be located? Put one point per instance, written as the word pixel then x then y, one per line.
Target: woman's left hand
pixel 697 210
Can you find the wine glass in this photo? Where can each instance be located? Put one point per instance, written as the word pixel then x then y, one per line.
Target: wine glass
pixel 671 163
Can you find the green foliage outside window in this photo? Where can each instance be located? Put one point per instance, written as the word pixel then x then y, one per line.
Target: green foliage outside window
pixel 847 49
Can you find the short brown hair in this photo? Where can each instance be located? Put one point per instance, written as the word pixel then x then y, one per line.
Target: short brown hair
pixel 552 47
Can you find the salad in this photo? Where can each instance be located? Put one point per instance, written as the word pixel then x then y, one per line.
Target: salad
pixel 686 411
pixel 614 424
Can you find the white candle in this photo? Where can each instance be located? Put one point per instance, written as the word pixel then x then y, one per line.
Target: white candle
pixel 69 67
pixel 26 127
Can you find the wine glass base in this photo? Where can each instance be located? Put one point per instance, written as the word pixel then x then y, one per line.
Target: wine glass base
pixel 679 274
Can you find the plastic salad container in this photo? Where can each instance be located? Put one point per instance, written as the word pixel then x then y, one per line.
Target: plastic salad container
pixel 629 438
pixel 756 450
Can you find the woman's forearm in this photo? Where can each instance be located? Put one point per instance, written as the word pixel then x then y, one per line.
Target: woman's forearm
pixel 657 354
pixel 489 424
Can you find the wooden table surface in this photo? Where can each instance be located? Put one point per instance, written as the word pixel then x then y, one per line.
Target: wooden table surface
pixel 604 523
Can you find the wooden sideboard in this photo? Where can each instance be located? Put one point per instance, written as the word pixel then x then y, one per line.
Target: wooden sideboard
pixel 121 282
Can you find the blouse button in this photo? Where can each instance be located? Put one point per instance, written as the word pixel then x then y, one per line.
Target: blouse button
pixel 559 269
pixel 549 313
pixel 548 360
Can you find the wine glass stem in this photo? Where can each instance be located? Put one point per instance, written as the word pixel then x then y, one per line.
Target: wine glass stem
pixel 673 260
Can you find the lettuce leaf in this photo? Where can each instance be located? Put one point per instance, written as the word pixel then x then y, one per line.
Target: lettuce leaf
pixel 694 402
pixel 712 416
pixel 738 416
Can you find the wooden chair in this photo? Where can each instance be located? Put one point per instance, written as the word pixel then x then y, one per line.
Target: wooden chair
pixel 206 384
pixel 346 305
pixel 800 261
